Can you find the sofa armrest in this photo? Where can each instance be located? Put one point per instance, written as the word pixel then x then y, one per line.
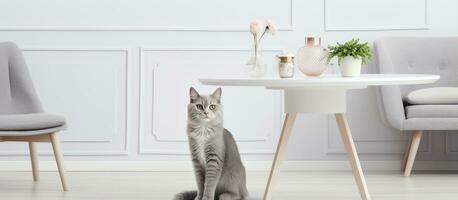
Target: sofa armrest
pixel 391 107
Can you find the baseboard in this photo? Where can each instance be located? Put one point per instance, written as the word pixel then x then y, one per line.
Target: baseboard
pixel 161 166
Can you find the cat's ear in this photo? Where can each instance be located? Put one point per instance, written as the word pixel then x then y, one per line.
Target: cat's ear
pixel 193 94
pixel 217 94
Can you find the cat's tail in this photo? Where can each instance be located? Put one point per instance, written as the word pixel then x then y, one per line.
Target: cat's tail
pixel 187 195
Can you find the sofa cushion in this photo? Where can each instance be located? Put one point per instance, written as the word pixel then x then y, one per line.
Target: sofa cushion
pixel 28 122
pixel 434 95
pixel 432 111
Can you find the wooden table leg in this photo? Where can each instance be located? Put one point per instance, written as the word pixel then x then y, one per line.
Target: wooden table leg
pixel 352 155
pixel 281 147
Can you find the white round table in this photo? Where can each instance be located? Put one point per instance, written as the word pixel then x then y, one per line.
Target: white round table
pixel 323 94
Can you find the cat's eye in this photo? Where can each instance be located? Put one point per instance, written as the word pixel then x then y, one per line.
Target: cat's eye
pixel 200 106
pixel 212 107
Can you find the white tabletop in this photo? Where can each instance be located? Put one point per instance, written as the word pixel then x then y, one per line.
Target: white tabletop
pixel 330 80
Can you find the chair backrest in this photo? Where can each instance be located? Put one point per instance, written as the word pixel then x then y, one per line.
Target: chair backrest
pixel 17 94
pixel 419 55
pixel 412 55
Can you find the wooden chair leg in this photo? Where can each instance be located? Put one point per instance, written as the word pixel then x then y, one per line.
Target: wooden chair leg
pixel 416 138
pixel 59 158
pixel 34 160
pixel 281 147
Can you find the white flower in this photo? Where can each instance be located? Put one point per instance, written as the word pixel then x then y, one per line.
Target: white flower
pixel 255 27
pixel 271 27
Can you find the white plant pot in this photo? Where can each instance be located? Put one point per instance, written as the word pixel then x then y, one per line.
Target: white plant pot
pixel 350 67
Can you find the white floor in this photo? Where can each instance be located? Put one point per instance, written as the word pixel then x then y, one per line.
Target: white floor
pixel 163 185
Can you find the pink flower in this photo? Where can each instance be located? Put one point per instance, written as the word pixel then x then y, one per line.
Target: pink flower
pixel 271 27
pixel 255 27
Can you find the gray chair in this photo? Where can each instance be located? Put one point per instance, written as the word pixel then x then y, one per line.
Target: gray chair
pixel 21 115
pixel 417 55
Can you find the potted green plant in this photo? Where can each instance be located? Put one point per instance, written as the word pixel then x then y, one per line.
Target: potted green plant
pixel 351 55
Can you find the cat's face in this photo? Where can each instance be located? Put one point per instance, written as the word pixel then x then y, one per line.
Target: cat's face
pixel 205 108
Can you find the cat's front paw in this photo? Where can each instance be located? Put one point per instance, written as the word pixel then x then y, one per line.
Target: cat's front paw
pixel 198 198
pixel 208 198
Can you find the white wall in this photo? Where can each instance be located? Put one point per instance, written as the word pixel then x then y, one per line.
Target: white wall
pixel 119 70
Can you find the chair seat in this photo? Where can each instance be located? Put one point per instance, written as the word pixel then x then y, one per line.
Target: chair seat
pixel 432 111
pixel 30 122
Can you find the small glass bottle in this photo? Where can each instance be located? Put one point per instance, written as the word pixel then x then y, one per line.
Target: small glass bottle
pixel 286 65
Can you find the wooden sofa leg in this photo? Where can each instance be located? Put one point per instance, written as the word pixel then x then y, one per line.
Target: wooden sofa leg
pixel 34 160
pixel 412 152
pixel 406 154
pixel 59 158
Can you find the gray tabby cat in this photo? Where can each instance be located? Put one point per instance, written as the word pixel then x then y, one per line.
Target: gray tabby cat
pixel 218 168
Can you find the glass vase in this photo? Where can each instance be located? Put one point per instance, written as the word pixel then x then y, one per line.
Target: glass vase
pixel 312 58
pixel 255 66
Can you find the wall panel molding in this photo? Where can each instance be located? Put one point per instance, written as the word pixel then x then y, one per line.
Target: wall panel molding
pixel 158 137
pixel 290 26
pixel 122 122
pixel 144 150
pixel 377 24
pixel 148 39
pixel 449 142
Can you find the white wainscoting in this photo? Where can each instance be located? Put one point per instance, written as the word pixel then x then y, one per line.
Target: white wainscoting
pixel 120 71
pixel 251 114
pixel 89 87
pixel 451 144
pixel 362 15
pixel 142 15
